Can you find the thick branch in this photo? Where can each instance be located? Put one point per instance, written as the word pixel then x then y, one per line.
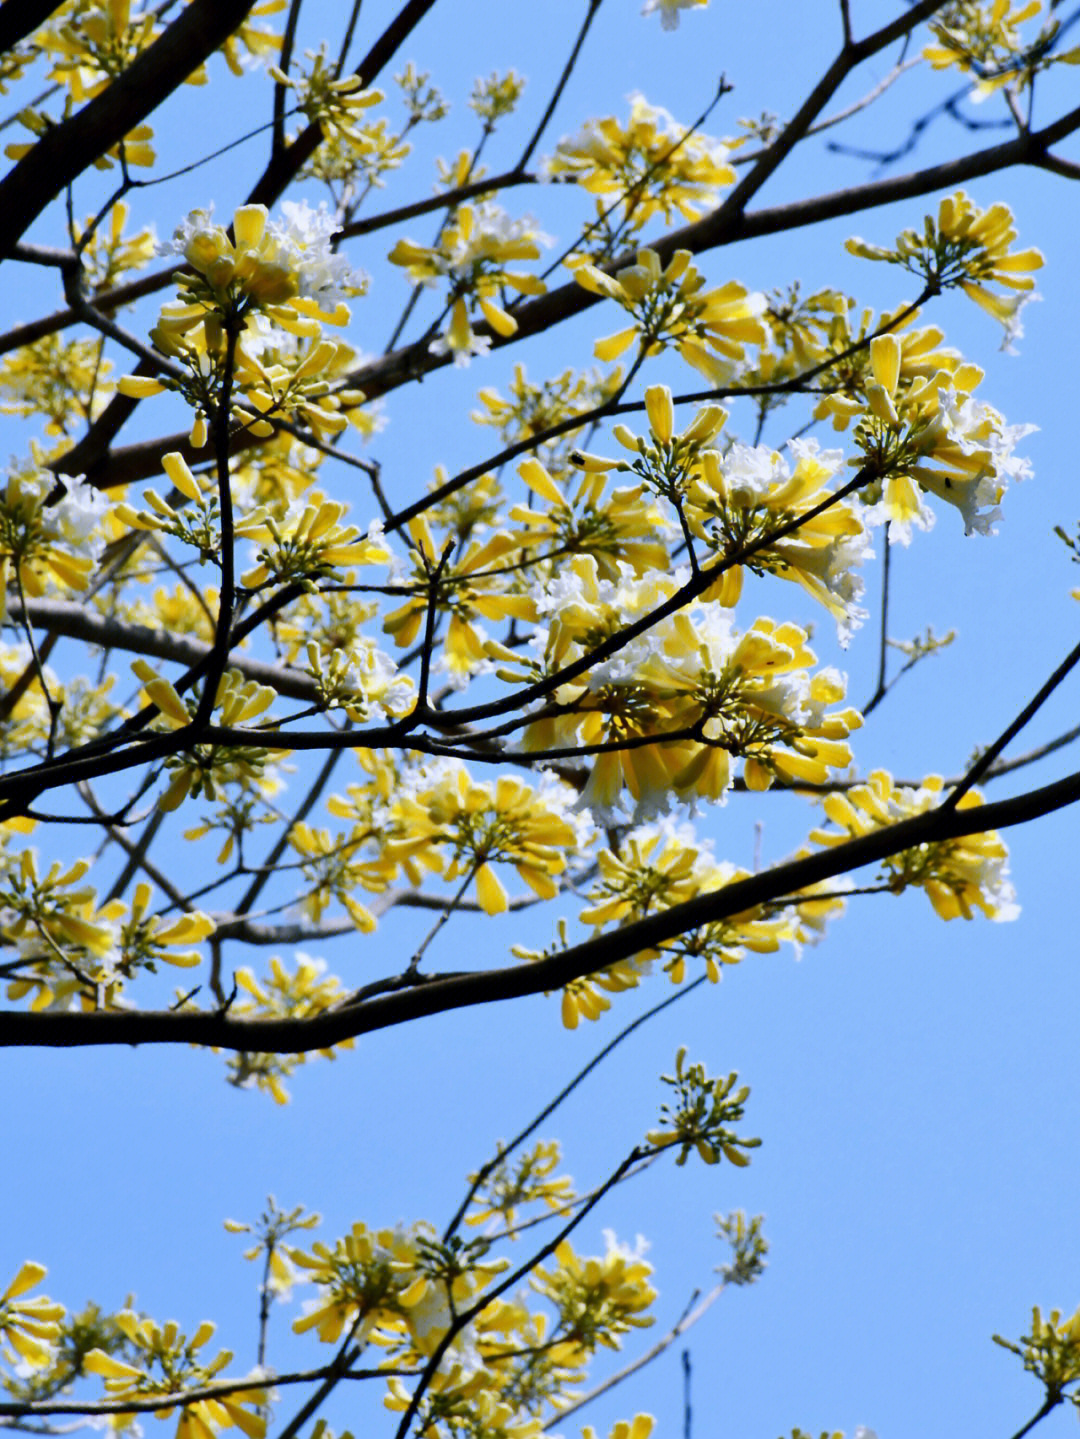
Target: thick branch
pixel 66 150
pixel 293 1036
pixel 77 622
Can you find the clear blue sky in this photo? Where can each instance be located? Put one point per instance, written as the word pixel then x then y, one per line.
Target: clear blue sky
pixel 915 1083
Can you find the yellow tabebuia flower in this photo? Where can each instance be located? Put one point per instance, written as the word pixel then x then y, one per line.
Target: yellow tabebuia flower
pixel 981 38
pixel 30 1326
pixel 969 248
pixel 599 1298
pixel 648 166
pixel 672 308
pixel 283 993
pixel 46 540
pixel 477 825
pixel 926 436
pixel 173 1365
pixel 958 875
pixel 641 1426
pixel 473 253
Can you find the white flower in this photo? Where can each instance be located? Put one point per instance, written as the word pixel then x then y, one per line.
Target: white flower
pixel 669 10
pixel 303 238
pixel 462 354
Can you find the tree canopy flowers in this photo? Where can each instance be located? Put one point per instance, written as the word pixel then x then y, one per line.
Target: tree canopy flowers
pixel 285 267
pixel 927 436
pixel 982 38
pixel 45 542
pixel 958 876
pixel 171 1362
pixel 30 1326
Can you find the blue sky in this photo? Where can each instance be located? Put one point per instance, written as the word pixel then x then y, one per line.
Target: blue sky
pixel 915 1083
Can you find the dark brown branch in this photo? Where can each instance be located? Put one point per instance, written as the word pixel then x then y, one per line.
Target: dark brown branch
pixel 285 1036
pixel 74 621
pixel 286 164
pixel 66 150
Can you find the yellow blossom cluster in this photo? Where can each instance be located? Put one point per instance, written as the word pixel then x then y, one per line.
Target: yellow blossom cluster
pixel 1051 1352
pixel 532 408
pixel 650 165
pixel 205 768
pixel 658 868
pixel 50 533
pixel 982 39
pixel 473 253
pixel 331 101
pixel 503 1189
pixel 672 308
pixel 703 1115
pixel 283 993
pixel 665 714
pixel 73 950
pixel 464 828
pixel 958 875
pixel 966 247
pixel 66 382
pixel 30 1326
pixel 170 1362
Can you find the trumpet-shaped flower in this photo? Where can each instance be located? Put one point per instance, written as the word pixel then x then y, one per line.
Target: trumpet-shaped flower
pixel 650 165
pixel 285 268
pixel 42 543
pixel 659 866
pixel 969 248
pixel 172 1365
pixel 207 769
pixel 981 38
pixel 473 254
pixel 958 875
pixel 479 825
pixel 308 543
pixel 926 437
pixel 669 709
pixel 746 495
pixel 671 308
pixel 30 1326
pixel 597 1298
pixel 283 993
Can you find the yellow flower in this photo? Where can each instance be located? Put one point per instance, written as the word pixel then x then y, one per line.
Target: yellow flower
pixel 507 822
pixel 176 1357
pixel 145 939
pixel 671 308
pixel 30 1326
pixel 926 436
pixel 969 248
pixel 743 496
pixel 650 165
pixel 283 994
pixel 473 253
pixel 334 104
pixel 308 542
pixel 983 40
pixel 598 1298
pixel 958 875
pixel 48 543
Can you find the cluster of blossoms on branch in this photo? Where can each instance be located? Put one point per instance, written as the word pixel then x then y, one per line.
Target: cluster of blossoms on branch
pixel 622 643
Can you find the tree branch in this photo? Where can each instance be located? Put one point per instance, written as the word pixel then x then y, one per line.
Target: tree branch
pixel 291 1036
